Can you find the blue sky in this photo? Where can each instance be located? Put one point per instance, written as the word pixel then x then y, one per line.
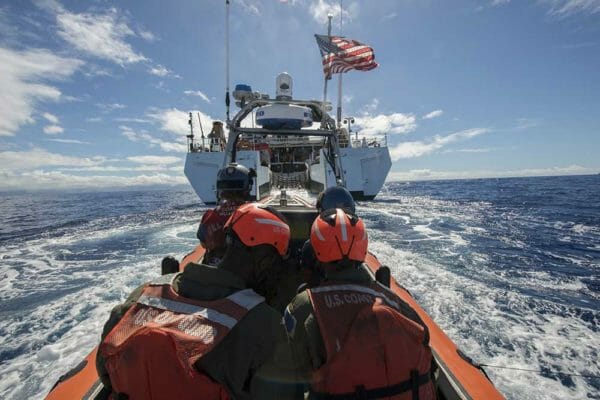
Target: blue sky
pixel 95 94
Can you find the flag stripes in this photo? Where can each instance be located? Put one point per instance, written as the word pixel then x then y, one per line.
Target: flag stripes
pixel 341 55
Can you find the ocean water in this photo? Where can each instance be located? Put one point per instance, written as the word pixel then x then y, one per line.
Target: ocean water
pixel 509 268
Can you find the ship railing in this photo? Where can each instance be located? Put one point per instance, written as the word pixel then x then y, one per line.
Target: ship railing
pixel 211 145
pixel 369 141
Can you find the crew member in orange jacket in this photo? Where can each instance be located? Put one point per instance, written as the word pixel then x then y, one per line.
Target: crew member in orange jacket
pixel 207 332
pixel 351 337
pixel 234 184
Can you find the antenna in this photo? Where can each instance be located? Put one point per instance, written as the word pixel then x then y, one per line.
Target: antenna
pixel 201 130
pixel 329 17
pixel 190 137
pixel 227 59
pixel 339 107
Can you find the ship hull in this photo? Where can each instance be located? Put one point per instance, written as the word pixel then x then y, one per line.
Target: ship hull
pixel 365 170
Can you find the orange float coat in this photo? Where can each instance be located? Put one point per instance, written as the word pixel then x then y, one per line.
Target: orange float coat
pixel 151 352
pixel 374 350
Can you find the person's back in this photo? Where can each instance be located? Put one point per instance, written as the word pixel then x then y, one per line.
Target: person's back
pixel 350 336
pixel 203 333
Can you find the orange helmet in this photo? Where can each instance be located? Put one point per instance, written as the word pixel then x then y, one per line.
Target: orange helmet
pixel 255 224
pixel 336 236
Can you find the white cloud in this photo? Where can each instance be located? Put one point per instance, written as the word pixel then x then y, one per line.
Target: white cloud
pixel 68 141
pixel 22 77
pixel 53 119
pixel 176 121
pixel 146 35
pixel 93 119
pixel 110 107
pixel 433 114
pixel 136 120
pixel 40 179
pixel 100 35
pixel 162 71
pixel 154 160
pixel 428 174
pixel 319 9
pixel 469 150
pixel 420 148
pixel 197 93
pixel 171 146
pixel 385 124
pixel 35 158
pixel 249 6
pixel 371 107
pixel 526 123
pixel 53 129
pixel 564 8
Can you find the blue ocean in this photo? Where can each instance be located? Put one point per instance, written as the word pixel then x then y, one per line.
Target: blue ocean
pixel 509 268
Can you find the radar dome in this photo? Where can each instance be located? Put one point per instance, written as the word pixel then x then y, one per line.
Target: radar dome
pixel 284 86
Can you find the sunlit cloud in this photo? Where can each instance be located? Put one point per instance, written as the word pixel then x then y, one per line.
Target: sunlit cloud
pixel 53 119
pixel 428 174
pixel 396 123
pixel 41 179
pixel 433 114
pixel 35 158
pixel 173 145
pixel 68 141
pixel 99 35
pixel 162 71
pixel 154 160
pixel 420 148
pixel 53 129
pixel 175 121
pixel 197 93
pixel 563 8
pixel 24 75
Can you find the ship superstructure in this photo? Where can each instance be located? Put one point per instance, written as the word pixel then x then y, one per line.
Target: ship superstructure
pixel 290 144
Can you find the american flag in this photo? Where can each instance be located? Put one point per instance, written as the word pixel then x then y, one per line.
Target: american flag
pixel 341 55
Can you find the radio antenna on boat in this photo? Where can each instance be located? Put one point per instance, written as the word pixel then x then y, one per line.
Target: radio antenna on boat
pixel 201 130
pixel 190 137
pixel 329 17
pixel 339 107
pixel 227 59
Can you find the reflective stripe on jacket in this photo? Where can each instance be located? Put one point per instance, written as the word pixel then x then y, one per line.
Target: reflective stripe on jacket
pixel 376 346
pixel 151 352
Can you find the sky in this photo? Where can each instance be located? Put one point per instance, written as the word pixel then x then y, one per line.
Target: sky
pixel 95 94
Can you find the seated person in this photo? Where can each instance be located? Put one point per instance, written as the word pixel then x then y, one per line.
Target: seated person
pixel 207 332
pixel 333 197
pixel 234 184
pixel 350 336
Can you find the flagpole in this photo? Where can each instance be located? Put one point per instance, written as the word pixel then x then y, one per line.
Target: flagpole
pixel 339 107
pixel 329 17
pixel 227 58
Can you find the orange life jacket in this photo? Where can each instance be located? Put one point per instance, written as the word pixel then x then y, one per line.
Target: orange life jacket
pixel 376 345
pixel 150 353
pixel 210 231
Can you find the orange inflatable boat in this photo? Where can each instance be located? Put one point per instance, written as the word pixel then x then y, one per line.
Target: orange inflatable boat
pixel 455 376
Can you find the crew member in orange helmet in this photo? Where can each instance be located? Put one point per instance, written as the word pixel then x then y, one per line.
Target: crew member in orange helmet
pixel 207 332
pixel 234 183
pixel 350 336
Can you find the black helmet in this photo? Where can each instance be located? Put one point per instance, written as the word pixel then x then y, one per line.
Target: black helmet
pixel 234 179
pixel 336 197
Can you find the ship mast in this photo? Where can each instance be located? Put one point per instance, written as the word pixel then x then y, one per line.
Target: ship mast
pixel 339 106
pixel 329 17
pixel 227 59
